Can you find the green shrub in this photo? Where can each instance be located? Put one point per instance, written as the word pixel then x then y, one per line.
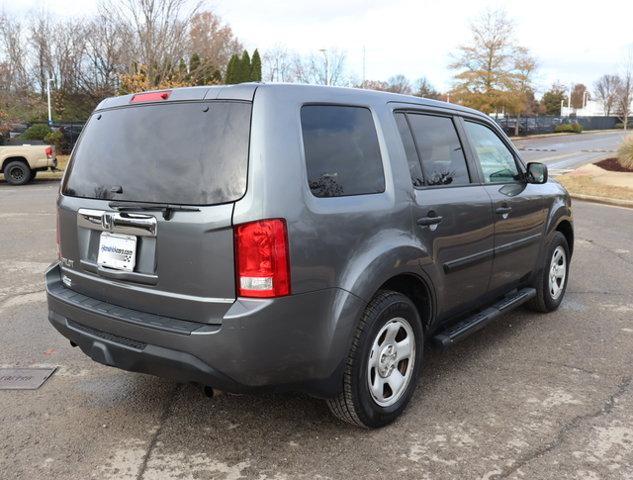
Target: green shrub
pixel 55 138
pixel 36 132
pixel 625 153
pixel 568 128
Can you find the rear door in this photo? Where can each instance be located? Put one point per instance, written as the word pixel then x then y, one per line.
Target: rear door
pixel 451 211
pixel 146 207
pixel 519 207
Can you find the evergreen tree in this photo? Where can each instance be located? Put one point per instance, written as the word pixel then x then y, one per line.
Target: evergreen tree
pixel 182 69
pixel 244 68
pixel 231 70
pixel 194 69
pixel 256 67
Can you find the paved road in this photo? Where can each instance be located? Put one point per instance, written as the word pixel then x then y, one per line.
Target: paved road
pixel 530 397
pixel 570 151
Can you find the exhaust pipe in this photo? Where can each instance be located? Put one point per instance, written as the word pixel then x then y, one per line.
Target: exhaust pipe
pixel 211 392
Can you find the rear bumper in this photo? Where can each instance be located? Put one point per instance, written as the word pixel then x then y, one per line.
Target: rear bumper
pixel 296 342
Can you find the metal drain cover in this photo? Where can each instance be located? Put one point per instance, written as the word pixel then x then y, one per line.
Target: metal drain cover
pixel 24 378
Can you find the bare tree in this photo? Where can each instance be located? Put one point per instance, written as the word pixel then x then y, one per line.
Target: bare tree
pixel 67 54
pixel 423 88
pixel 399 84
pixel 108 54
pixel 40 35
pixel 278 65
pixel 379 85
pixel 605 89
pixel 325 68
pixel 12 45
pixel 213 42
pixel 520 94
pixel 160 31
pixel 625 92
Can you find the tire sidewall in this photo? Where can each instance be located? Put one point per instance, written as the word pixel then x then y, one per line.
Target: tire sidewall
pixel 370 413
pixel 557 240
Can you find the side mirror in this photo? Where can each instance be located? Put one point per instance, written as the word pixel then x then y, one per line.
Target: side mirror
pixel 536 173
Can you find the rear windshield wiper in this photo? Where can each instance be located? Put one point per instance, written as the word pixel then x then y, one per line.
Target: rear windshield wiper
pixel 167 209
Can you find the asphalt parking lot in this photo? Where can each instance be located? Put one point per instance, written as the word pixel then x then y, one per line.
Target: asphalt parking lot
pixel 530 397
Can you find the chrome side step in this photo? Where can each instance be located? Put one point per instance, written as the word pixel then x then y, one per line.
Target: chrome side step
pixel 460 330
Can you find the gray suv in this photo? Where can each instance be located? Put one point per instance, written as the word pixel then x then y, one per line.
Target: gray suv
pixel 298 237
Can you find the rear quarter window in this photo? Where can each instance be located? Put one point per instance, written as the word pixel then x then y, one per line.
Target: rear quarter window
pixel 341 150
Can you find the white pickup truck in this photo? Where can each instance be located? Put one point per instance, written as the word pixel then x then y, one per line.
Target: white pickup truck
pixel 20 163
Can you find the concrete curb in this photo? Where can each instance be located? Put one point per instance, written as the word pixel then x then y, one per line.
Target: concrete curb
pixel 604 200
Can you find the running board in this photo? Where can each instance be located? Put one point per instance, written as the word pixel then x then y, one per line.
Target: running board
pixel 460 330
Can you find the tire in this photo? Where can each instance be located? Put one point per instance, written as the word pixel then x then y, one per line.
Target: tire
pixel 549 297
pixel 388 317
pixel 17 173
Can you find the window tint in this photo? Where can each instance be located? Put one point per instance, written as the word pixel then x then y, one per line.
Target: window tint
pixel 441 153
pixel 497 162
pixel 181 153
pixel 342 151
pixel 409 148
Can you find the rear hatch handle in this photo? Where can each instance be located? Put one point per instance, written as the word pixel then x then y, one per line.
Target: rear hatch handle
pixel 167 209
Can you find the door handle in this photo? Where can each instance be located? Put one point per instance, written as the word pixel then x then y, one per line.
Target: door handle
pixel 503 210
pixel 430 220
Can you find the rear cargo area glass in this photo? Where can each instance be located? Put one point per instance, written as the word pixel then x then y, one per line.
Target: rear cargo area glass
pixel 177 153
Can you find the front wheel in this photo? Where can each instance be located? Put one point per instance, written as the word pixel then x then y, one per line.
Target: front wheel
pixel 551 282
pixel 383 364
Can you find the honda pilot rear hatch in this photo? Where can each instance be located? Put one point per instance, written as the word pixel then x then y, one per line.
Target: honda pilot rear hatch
pixel 146 208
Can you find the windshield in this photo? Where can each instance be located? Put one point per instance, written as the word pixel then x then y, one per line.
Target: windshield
pixel 178 153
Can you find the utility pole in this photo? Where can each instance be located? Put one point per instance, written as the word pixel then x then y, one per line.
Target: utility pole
pixel 571 88
pixel 48 94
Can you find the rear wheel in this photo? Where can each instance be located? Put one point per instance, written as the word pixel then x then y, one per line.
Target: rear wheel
pixel 551 282
pixel 383 364
pixel 17 172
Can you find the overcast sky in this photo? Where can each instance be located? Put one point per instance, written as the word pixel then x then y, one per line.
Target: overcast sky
pixel 574 41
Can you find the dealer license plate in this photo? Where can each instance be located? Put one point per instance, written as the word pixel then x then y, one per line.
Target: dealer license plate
pixel 117 251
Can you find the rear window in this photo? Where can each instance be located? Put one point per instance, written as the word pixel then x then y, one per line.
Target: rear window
pixel 178 153
pixel 342 151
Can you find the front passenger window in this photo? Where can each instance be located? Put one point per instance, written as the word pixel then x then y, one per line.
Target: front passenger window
pixel 496 160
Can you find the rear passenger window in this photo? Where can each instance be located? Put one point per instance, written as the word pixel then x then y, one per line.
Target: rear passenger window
pixel 409 149
pixel 441 152
pixel 341 150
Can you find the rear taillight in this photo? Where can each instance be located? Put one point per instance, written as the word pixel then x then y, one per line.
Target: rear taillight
pixel 58 238
pixel 261 259
pixel 150 97
pixel 49 152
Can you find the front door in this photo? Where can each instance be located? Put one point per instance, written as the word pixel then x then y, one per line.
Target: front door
pixel 452 214
pixel 518 208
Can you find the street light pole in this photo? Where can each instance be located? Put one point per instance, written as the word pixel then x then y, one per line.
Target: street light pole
pixel 48 94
